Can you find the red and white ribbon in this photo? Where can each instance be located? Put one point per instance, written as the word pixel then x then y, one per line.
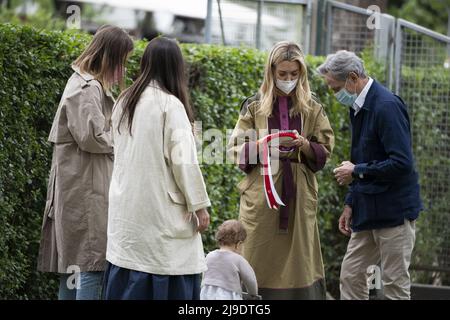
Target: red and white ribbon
pixel 272 197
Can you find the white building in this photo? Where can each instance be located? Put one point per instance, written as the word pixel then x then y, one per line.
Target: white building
pixel 185 19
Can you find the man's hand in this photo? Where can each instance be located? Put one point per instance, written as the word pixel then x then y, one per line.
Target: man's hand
pixel 203 219
pixel 345 221
pixel 343 173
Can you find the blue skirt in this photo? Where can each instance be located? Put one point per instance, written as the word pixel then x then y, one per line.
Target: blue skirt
pixel 124 284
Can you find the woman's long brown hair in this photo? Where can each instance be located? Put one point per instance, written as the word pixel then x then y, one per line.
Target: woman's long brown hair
pixel 105 55
pixel 162 62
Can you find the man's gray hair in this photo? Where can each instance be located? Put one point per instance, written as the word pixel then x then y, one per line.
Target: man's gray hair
pixel 338 65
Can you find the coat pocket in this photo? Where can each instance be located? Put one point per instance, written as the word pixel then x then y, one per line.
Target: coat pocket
pixel 311 181
pixel 101 174
pixel 177 197
pixel 365 208
pixel 180 223
pixel 371 187
pixel 248 180
pixel 49 211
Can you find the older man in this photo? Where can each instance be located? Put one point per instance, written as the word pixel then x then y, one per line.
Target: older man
pixel 383 200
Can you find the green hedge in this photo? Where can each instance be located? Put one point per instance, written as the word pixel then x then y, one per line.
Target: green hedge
pixel 34 67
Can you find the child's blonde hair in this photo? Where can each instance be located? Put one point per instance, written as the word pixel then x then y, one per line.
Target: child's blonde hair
pixel 230 232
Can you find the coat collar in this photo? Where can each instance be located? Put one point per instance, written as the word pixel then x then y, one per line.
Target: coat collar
pixel 154 84
pixel 86 76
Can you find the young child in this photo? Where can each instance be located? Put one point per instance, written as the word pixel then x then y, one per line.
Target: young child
pixel 227 269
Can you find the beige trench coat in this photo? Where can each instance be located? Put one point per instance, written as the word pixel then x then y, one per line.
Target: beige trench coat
pixel 75 217
pixel 287 266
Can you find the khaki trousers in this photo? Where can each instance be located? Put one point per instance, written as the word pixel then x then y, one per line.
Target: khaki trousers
pixel 389 247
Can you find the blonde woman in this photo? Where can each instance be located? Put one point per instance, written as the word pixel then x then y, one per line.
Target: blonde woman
pixel 73 240
pixel 283 245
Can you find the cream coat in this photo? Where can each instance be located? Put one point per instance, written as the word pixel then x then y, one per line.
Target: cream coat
pixel 156 184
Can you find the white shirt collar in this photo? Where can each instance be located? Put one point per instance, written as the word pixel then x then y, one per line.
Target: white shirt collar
pixel 359 102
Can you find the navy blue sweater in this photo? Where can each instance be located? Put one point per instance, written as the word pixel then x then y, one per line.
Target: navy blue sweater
pixel 381 150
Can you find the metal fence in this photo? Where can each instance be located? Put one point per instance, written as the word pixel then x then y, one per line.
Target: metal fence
pixel 423 81
pixel 351 28
pixel 258 23
pixel 353 35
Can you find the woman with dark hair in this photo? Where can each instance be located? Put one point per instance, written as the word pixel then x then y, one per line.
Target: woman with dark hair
pixel 157 195
pixel 76 212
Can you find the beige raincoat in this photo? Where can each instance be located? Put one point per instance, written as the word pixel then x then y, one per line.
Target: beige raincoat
pixel 75 217
pixel 287 265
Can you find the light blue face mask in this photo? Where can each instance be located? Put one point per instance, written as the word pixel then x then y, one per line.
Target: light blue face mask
pixel 345 97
